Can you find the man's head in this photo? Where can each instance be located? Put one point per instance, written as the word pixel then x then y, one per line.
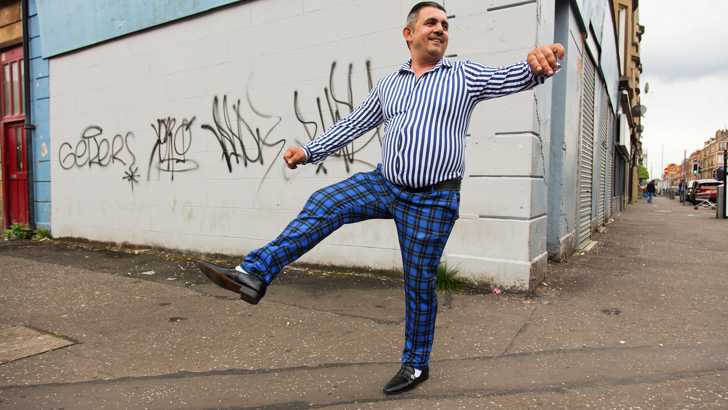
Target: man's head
pixel 426 32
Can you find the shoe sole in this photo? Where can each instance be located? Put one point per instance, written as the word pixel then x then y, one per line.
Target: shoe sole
pixel 247 294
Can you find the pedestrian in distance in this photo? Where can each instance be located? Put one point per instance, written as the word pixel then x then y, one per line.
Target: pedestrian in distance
pixel 650 191
pixel 681 190
pixel 425 107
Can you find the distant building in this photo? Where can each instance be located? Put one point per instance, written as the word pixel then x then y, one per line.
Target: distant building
pixel 693 165
pixel 711 156
pixel 671 175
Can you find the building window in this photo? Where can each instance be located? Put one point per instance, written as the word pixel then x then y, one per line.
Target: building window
pixel 18 150
pixel 12 81
pixel 623 40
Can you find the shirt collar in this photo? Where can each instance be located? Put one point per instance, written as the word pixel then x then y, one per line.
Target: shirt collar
pixel 444 62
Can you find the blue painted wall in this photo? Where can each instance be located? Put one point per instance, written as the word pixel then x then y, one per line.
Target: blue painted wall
pixel 72 24
pixel 38 77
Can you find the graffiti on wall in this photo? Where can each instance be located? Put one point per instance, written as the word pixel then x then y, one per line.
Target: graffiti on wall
pixel 94 149
pixel 240 141
pixel 173 142
pixel 244 139
pixel 131 176
pixel 336 107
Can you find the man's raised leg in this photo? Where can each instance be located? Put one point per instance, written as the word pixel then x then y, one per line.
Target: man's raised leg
pixel 355 199
pixel 362 196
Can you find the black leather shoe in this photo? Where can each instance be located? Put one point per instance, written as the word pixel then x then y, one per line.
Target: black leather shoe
pixel 250 287
pixel 405 380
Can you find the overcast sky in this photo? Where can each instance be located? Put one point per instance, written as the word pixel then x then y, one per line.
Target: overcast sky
pixel 685 61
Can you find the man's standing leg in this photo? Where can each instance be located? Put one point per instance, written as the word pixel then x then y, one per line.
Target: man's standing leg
pixel 424 222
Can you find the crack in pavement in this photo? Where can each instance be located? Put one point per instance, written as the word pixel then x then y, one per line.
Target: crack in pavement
pixel 519 332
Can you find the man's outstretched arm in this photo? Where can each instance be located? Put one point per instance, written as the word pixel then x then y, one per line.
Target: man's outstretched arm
pixel 486 82
pixel 365 117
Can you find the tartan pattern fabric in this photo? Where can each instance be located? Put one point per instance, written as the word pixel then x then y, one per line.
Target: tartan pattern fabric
pixel 423 220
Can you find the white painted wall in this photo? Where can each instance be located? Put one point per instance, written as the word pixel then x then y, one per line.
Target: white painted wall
pixel 265 51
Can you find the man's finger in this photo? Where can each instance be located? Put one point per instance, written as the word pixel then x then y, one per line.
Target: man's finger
pixel 558 50
pixel 289 161
pixel 544 63
pixel 550 57
pixel 533 62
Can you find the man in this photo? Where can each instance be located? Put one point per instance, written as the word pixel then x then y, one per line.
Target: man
pixel 425 107
pixel 650 191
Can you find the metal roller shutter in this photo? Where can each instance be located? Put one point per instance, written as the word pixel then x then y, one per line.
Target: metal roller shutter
pixel 609 190
pixel 586 155
pixel 603 148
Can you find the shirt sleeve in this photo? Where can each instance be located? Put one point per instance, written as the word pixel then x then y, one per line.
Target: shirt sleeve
pixel 485 82
pixel 365 117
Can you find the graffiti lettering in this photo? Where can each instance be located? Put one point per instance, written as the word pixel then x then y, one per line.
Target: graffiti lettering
pixel 334 107
pixel 91 150
pixel 95 150
pixel 171 147
pixel 238 140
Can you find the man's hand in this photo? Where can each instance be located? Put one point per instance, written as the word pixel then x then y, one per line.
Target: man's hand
pixel 544 60
pixel 294 156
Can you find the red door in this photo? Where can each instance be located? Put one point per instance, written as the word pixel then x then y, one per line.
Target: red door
pixel 12 117
pixel 17 174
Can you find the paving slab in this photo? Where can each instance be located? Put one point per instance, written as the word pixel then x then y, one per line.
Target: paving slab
pixel 18 342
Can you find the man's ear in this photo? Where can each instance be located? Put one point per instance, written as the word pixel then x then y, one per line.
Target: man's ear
pixel 407 33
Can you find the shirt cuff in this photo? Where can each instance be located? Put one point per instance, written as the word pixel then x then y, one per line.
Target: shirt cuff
pixel 308 154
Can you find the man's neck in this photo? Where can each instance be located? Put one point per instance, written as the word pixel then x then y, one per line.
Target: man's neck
pixel 422 66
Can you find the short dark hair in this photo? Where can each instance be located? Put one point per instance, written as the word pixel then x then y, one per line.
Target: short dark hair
pixel 412 16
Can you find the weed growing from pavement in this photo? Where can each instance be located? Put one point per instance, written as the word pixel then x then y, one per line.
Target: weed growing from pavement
pixel 17 232
pixel 446 279
pixel 23 232
pixel 41 234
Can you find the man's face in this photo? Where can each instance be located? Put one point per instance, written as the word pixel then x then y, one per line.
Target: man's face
pixel 429 36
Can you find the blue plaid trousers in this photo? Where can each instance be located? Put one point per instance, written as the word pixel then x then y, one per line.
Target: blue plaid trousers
pixel 424 222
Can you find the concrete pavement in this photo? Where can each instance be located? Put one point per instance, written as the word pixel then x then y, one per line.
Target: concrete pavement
pixel 637 322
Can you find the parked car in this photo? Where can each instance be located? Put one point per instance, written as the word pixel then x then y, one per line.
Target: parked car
pixel 703 189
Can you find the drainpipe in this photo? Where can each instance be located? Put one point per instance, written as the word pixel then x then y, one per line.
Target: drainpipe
pixel 29 127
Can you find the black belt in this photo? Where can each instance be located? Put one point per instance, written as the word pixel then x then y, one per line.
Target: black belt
pixel 449 185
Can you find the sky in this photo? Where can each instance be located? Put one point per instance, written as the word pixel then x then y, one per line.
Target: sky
pixel 685 62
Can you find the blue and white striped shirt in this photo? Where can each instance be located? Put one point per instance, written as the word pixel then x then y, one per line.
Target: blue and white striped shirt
pixel 425 119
